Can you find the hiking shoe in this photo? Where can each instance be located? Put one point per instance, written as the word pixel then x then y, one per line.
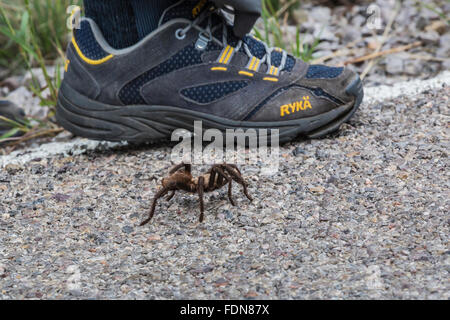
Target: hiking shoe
pixel 193 68
pixel 12 112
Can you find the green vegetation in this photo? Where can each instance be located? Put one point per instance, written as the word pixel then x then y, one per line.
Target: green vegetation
pixel 33 33
pixel 275 13
pixel 42 22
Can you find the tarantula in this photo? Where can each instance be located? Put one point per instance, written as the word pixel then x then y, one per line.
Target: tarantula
pixel 182 180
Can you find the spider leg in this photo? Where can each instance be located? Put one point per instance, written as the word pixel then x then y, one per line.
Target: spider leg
pixel 234 167
pixel 201 187
pixel 230 183
pixel 187 168
pixel 230 195
pixel 212 179
pixel 238 178
pixel 170 197
pixel 220 176
pixel 161 193
pixel 176 168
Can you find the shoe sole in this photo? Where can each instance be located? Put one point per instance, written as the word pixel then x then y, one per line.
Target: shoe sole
pixel 98 121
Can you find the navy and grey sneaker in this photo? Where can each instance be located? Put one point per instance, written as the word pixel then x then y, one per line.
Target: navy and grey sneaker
pixel 193 68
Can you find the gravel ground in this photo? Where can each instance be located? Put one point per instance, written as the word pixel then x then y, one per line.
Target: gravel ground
pixel 346 32
pixel 361 214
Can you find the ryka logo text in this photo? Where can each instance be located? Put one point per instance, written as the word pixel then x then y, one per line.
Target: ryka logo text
pixel 296 107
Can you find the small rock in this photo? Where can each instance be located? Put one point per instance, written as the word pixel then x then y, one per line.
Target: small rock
pixel 75 292
pixel 413 67
pixel 251 294
pixel 351 34
pixel 444 46
pixel 206 269
pixel 446 64
pixel 12 83
pixel 326 34
pixel 394 65
pixel 12 169
pixel 320 14
pixel 59 197
pixel 25 99
pixel 333 180
pixel 154 238
pixel 64 136
pixel 438 26
pixel 430 37
pixel 400 108
pixel 221 282
pixel 421 23
pixel 298 151
pixel 127 229
pixel 318 189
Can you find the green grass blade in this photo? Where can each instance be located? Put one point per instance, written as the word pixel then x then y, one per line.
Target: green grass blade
pixel 10 134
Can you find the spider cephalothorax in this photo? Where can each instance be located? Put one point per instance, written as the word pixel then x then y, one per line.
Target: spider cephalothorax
pixel 180 179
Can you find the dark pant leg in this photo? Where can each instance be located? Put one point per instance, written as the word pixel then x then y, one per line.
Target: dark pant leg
pixel 125 22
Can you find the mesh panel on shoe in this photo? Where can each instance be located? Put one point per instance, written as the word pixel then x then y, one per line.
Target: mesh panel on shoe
pixel 87 43
pixel 256 47
pixel 277 57
pixel 258 50
pixel 290 64
pixel 130 94
pixel 323 72
pixel 213 92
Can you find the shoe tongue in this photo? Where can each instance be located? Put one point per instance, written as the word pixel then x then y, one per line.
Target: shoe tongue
pixel 191 9
pixel 185 9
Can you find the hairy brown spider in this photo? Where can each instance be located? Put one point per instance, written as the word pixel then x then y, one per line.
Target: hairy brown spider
pixel 181 179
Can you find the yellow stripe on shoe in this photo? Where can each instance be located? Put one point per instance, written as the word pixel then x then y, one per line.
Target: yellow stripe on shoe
pixel 86 59
pixel 251 63
pixel 245 73
pixel 254 64
pixel 274 71
pixel 257 65
pixel 226 55
pixel 229 55
pixel 219 69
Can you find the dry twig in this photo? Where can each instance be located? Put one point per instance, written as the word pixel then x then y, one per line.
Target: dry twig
pixel 383 39
pixel 383 53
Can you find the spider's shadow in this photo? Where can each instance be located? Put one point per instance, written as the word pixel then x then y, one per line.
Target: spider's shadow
pixel 188 204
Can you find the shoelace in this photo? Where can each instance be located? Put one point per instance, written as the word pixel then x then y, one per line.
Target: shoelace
pixel 207 35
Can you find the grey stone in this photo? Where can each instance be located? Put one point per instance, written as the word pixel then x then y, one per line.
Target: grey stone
pixel 429 37
pixel 320 14
pixel 394 64
pixel 298 151
pixel 127 229
pixel 413 67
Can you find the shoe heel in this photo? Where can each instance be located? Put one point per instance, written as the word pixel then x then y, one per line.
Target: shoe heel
pixel 97 121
